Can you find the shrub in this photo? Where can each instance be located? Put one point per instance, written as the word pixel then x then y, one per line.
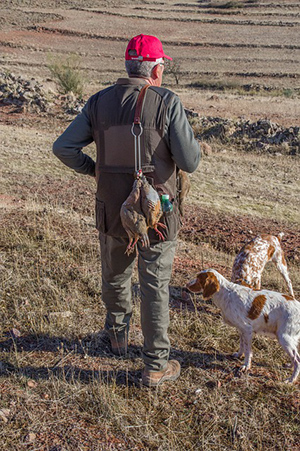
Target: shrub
pixel 67 74
pixel 288 92
pixel 173 68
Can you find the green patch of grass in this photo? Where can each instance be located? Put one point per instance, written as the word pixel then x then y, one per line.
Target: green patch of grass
pixel 243 89
pixel 288 93
pixel 214 85
pixel 67 74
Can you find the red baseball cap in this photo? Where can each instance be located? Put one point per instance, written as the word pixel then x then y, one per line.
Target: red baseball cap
pixel 145 48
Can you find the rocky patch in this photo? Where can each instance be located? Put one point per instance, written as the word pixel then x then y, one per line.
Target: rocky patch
pixel 30 96
pixel 262 135
pixel 25 95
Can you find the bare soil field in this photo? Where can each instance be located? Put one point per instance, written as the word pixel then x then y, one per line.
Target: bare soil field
pixel 257 44
pixel 61 388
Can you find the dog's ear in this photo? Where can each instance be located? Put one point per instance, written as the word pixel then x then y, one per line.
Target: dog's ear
pixel 211 285
pixel 196 285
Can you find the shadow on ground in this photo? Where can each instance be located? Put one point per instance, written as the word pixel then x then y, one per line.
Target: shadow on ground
pixel 95 347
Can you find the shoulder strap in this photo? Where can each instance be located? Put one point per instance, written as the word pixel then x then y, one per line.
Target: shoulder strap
pixel 139 104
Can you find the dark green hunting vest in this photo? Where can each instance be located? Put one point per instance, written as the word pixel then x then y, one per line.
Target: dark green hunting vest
pixel 112 114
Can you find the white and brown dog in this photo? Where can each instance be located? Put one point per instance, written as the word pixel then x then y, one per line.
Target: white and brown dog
pixel 263 312
pixel 252 258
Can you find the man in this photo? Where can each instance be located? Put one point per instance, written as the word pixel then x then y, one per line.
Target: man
pixel 167 143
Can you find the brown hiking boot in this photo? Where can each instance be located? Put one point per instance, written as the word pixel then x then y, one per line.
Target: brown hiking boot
pixel 119 345
pixel 155 378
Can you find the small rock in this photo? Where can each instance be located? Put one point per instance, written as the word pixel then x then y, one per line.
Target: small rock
pixel 15 333
pixel 4 414
pixel 206 148
pixel 214 97
pixel 190 113
pixel 285 146
pixel 31 383
pixel 65 314
pixel 30 437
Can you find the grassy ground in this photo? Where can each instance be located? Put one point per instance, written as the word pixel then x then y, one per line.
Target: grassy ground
pixel 261 185
pixel 61 388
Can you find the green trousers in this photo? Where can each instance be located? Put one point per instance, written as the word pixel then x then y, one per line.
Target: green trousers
pixel 154 267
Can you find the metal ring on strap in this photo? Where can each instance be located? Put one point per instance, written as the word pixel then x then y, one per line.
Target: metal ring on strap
pixel 138 125
pixel 137 150
pixel 137 137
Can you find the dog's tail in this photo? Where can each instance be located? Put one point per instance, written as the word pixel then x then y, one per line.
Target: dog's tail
pixel 280 235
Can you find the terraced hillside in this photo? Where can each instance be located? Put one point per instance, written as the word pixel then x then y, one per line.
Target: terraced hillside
pixel 236 46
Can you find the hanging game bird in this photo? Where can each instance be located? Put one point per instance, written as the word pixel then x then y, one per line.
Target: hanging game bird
pixel 183 187
pixel 133 220
pixel 141 211
pixel 151 206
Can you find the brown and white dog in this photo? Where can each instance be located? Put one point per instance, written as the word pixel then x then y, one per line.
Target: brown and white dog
pixel 252 258
pixel 263 312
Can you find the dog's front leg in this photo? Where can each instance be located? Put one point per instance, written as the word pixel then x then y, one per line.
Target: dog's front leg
pixel 247 339
pixel 290 348
pixel 296 365
pixel 240 353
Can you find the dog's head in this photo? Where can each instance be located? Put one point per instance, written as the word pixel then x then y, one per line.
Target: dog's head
pixel 206 283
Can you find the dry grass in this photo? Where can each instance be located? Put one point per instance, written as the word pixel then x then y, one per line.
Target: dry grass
pixel 263 185
pixel 61 389
pixel 238 88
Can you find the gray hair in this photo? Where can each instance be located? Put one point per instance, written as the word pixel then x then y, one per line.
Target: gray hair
pixel 141 68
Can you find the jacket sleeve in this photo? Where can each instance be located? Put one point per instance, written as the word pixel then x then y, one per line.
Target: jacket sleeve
pixel 68 147
pixel 184 147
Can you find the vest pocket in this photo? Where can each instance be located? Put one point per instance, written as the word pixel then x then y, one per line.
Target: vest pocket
pixel 172 221
pixel 100 216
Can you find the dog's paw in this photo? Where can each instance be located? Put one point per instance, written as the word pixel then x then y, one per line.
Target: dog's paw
pixel 236 355
pixel 289 380
pixel 288 365
pixel 244 368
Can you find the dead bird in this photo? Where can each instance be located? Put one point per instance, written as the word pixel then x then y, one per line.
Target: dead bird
pixel 151 206
pixel 183 187
pixel 133 219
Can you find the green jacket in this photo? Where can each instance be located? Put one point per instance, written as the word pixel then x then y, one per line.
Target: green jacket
pixel 167 142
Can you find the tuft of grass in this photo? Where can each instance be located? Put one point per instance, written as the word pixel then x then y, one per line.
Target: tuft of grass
pixel 66 74
pixel 289 93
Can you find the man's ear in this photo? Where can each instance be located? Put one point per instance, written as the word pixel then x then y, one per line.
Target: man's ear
pixel 155 72
pixel 211 286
